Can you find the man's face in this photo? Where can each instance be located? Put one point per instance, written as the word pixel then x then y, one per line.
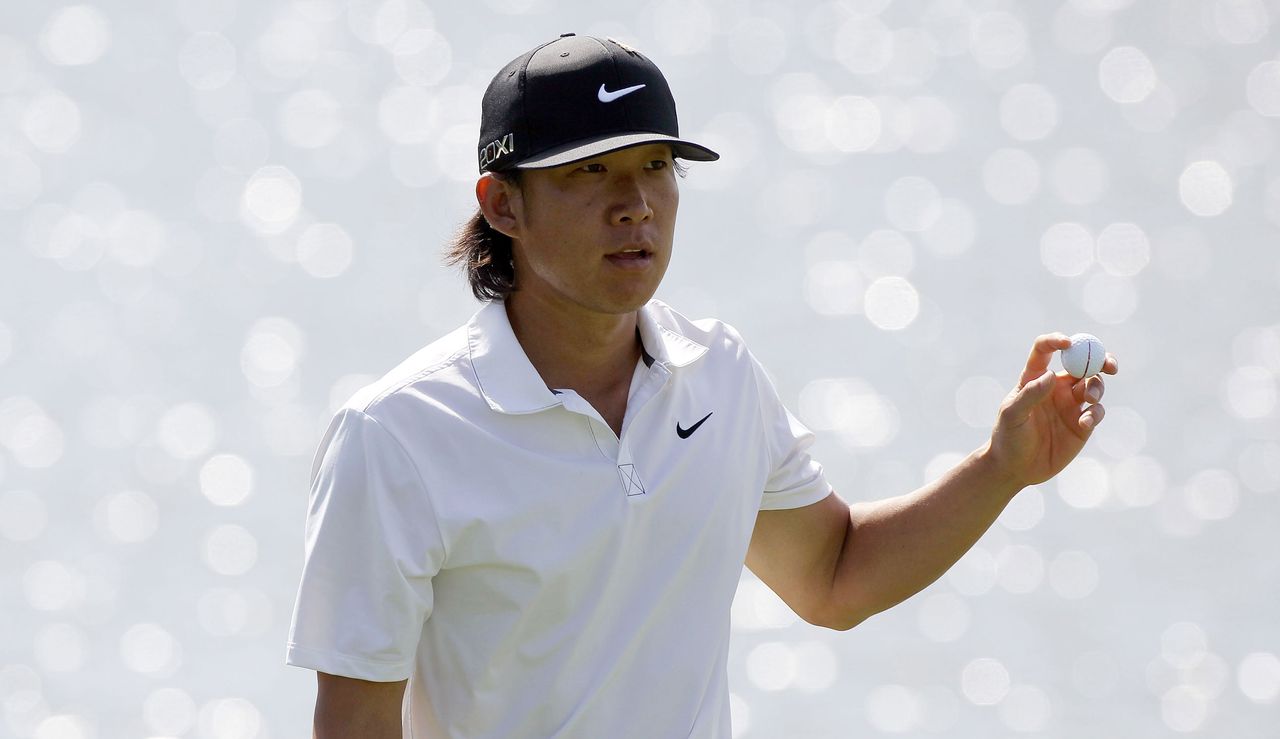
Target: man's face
pixel 597 234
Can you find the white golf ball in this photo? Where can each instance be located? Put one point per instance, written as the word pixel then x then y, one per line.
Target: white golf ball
pixel 1084 357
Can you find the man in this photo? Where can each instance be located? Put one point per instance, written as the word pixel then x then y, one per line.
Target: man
pixel 537 523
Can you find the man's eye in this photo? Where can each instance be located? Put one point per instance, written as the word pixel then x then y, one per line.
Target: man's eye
pixel 659 164
pixel 593 167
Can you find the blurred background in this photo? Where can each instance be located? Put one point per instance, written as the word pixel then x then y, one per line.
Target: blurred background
pixel 219 218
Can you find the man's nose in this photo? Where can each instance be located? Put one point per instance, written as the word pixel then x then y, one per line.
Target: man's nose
pixel 632 202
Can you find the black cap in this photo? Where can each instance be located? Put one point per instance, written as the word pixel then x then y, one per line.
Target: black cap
pixel 573 98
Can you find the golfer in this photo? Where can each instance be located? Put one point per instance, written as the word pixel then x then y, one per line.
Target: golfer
pixel 535 525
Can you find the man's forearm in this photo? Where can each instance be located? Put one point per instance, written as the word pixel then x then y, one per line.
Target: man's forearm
pixel 347 707
pixel 896 547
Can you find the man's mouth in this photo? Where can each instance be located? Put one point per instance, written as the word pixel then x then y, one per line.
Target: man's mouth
pixel 633 258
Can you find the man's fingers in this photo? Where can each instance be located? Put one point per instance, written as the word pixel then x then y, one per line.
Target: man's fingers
pixel 1027 396
pixel 1041 354
pixel 1089 390
pixel 1110 365
pixel 1091 417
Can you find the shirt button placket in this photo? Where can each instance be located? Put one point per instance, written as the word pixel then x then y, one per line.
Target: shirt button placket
pixel 628 475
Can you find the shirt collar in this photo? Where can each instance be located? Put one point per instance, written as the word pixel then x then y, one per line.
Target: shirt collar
pixel 508 380
pixel 661 336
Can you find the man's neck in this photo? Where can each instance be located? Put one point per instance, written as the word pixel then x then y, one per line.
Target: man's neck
pixel 570 347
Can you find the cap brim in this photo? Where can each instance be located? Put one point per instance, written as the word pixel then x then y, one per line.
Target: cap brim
pixel 579 150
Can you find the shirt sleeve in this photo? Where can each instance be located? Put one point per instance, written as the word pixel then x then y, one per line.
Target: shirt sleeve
pixel 372 547
pixel 795 478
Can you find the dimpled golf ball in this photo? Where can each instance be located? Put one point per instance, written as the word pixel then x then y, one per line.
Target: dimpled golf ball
pixel 1084 357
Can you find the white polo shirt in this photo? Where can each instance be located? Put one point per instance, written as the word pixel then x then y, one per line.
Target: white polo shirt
pixel 531 573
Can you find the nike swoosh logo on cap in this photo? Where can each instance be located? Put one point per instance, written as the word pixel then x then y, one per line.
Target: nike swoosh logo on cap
pixel 608 97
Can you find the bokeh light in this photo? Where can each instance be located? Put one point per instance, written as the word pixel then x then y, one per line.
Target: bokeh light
pixel 1123 249
pixel 1259 677
pixel 32 438
pixel 408 115
pixel 128 517
pixel 1028 112
pixel 1205 188
pixel 169 711
pixel 1073 574
pixel 894 709
pixel 852 408
pixel 64 726
pixel 953 231
pixel 772 666
pixel 1262 87
pixel 1126 75
pixel 998 40
pixel 230 549
pixel 187 430
pixel 1139 481
pixel 817 668
pixel 1067 249
pixel 233 718
pixel 853 123
pixel 207 61
pixel 975 573
pixel 61 647
pixel 985 681
pixel 324 250
pixel 1212 494
pixel 1085 484
pixel 75 35
pixel 150 649
pixel 912 203
pixel 423 56
pixel 233 611
pixel 891 303
pixel 52 122
pixel 1024 511
pixel 1019 568
pixel 835 288
pixel 271 200
pixel 226 479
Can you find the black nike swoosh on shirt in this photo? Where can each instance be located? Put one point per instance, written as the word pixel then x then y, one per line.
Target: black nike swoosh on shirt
pixel 686 433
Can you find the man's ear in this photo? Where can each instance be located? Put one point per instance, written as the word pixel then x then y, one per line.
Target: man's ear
pixel 501 204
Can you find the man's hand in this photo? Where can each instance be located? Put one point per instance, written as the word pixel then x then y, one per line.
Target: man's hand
pixel 1046 420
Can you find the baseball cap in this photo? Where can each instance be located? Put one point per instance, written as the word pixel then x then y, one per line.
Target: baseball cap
pixel 573 98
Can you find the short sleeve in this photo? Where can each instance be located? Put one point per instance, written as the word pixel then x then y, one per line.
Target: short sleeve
pixel 795 478
pixel 372 547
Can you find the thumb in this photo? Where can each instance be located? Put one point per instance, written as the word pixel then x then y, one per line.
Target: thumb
pixel 1030 395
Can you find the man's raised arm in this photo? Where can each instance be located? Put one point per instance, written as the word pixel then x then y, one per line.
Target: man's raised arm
pixel 836 565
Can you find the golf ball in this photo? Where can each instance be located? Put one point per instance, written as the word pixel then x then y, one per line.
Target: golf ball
pixel 1084 357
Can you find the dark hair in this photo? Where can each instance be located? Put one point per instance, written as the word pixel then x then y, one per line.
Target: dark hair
pixel 484 252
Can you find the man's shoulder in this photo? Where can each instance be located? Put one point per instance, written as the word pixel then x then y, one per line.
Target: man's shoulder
pixel 436 364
